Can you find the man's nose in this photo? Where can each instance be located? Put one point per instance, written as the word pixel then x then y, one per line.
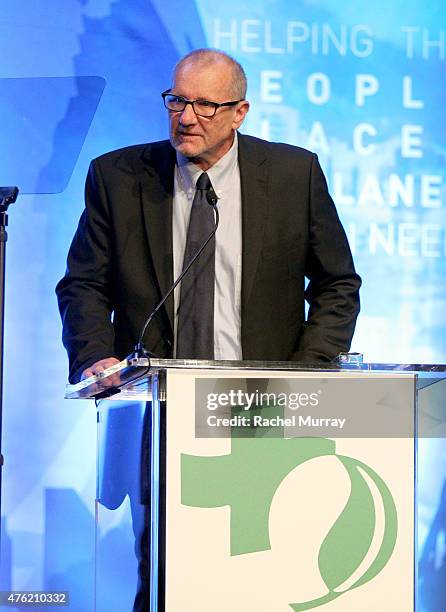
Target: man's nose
pixel 187 115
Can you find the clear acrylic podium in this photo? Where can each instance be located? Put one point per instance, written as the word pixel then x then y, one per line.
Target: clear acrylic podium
pixel 267 487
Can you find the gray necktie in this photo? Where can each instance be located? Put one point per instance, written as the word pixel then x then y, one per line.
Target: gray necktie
pixel 195 335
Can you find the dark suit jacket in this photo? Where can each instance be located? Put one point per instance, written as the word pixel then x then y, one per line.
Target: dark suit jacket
pixel 120 259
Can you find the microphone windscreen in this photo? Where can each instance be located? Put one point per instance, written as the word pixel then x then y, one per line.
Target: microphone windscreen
pixel 211 197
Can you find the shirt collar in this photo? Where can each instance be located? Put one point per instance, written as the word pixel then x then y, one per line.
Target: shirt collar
pixel 218 173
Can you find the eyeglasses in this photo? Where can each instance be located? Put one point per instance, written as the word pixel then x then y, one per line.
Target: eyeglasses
pixel 203 108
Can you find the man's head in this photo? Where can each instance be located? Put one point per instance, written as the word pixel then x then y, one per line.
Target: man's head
pixel 206 74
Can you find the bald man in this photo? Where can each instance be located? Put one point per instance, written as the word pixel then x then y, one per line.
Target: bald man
pixel 278 227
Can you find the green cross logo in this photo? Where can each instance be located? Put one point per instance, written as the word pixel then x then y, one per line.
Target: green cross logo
pixel 233 480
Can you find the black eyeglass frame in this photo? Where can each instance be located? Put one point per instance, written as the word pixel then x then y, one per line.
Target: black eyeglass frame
pixel 215 105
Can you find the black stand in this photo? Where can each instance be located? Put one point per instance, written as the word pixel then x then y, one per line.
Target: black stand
pixel 8 195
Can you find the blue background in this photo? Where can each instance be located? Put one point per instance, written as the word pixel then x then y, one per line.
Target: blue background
pixel 80 77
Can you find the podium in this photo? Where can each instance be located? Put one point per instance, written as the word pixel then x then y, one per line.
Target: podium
pixel 269 486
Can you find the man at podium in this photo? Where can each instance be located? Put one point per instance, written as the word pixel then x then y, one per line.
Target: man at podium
pixel 150 208
pixel 149 211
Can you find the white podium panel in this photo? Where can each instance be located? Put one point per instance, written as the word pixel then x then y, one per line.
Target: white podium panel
pixel 261 521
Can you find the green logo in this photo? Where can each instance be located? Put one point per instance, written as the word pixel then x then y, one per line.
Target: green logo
pixel 247 480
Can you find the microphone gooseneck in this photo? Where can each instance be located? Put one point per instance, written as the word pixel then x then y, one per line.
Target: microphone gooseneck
pixel 140 351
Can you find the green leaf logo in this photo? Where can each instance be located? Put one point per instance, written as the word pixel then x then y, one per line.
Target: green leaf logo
pixel 348 542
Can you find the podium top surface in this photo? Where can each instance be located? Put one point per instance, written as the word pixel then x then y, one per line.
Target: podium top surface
pixel 130 379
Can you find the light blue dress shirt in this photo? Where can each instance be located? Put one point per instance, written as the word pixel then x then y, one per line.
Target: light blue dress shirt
pixel 225 179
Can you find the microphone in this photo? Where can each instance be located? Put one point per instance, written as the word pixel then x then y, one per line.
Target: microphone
pixel 140 351
pixel 212 199
pixel 8 195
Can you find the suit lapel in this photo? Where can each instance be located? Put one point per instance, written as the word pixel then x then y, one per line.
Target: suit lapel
pixel 254 178
pixel 156 185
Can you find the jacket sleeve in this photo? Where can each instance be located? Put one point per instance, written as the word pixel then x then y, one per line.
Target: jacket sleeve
pixel 85 292
pixel 333 288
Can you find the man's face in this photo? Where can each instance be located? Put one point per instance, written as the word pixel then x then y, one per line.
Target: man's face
pixel 205 139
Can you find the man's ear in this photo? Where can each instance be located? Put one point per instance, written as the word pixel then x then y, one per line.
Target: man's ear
pixel 240 113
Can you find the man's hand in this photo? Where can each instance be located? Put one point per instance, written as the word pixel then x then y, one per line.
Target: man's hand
pixel 100 366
